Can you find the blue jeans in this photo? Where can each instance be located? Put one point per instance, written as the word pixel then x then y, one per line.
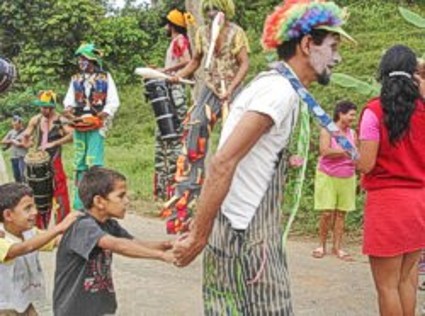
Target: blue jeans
pixel 18 167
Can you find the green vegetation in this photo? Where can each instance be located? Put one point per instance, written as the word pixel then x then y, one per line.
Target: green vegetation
pixel 41 37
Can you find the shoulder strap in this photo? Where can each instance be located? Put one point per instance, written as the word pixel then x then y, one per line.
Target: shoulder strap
pixel 317 111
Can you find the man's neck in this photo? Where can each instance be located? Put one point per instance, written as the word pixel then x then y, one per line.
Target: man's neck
pixel 51 117
pixel 12 229
pixel 174 35
pixel 299 68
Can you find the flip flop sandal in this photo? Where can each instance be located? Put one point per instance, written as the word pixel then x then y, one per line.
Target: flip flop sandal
pixel 342 255
pixel 318 253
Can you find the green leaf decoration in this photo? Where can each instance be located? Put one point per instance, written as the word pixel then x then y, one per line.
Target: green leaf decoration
pixel 412 17
pixel 361 87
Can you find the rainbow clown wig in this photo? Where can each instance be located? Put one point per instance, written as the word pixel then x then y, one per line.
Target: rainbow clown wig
pixel 296 18
pixel 225 6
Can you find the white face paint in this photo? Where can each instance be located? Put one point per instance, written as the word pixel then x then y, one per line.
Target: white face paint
pixel 324 57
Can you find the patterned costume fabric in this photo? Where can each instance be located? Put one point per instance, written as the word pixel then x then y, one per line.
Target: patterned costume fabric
pixel 245 272
pixel 224 66
pixel 200 122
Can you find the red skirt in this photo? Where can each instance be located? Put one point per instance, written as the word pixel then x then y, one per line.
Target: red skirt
pixel 394 221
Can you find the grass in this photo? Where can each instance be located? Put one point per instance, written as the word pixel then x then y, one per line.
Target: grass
pixel 376 25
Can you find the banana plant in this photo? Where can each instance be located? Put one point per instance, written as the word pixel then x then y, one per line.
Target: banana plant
pixel 346 81
pixel 412 17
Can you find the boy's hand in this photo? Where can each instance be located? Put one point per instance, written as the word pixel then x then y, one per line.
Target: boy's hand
pixel 68 221
pixel 167 245
pixel 168 257
pixel 2 234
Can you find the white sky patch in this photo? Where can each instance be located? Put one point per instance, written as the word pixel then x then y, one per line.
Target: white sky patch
pixel 120 3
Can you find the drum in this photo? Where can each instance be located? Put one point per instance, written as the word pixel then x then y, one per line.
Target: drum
pixel 158 93
pixel 87 123
pixel 39 176
pixel 7 74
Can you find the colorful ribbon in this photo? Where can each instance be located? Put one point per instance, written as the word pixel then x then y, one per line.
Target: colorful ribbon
pixel 324 120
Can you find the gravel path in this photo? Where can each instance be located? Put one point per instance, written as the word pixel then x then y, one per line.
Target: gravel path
pixel 325 286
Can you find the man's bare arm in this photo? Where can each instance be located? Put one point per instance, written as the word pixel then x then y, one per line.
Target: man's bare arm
pixel 191 67
pixel 217 183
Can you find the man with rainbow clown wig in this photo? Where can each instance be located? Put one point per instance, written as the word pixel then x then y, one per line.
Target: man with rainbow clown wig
pixel 238 217
pixel 90 103
pixel 224 71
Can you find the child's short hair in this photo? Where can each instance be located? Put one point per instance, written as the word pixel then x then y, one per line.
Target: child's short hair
pixel 97 181
pixel 11 194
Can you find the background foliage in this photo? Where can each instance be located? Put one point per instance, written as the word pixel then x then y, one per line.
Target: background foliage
pixel 40 36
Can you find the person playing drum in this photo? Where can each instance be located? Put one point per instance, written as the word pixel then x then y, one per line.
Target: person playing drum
pixel 91 102
pixel 177 57
pixel 49 134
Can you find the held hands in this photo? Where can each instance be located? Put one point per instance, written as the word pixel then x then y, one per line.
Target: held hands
pixel 186 249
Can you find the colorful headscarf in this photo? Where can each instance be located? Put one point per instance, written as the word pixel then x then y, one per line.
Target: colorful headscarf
pixel 226 6
pixel 296 18
pixel 46 98
pixel 90 52
pixel 182 19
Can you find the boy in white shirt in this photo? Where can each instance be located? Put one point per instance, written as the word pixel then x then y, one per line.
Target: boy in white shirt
pixel 21 276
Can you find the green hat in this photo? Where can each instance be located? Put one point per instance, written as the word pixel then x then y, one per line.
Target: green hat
pixel 45 98
pixel 90 52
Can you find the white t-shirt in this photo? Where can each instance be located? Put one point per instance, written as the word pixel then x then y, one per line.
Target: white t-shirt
pixel 273 95
pixel 21 279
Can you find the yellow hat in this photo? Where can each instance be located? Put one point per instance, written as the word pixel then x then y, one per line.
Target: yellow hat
pixel 46 98
pixel 180 19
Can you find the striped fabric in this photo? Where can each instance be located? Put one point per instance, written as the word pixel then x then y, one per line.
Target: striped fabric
pixel 245 272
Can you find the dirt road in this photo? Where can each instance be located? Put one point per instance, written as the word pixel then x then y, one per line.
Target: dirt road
pixel 325 286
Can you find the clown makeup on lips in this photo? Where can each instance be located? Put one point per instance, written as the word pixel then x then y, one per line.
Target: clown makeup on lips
pixel 324 57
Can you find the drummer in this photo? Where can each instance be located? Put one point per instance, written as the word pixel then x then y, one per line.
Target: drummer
pixel 92 96
pixel 177 57
pixel 47 133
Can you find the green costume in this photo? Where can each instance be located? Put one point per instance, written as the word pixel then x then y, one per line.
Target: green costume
pixel 90 93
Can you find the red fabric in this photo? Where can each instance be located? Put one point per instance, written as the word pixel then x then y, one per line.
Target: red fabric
pixel 402 165
pixel 180 46
pixel 394 221
pixel 60 194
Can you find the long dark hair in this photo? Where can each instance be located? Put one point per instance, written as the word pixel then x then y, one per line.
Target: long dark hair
pixel 399 92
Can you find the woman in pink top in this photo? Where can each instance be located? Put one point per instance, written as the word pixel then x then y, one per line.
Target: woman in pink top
pixel 335 183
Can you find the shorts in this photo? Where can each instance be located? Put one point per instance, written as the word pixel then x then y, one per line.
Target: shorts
pixel 332 193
